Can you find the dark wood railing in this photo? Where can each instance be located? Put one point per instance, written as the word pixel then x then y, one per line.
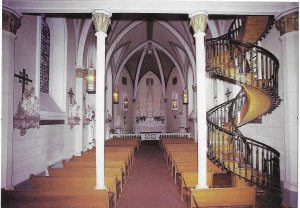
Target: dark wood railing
pixel 229 57
pixel 254 62
pixel 245 157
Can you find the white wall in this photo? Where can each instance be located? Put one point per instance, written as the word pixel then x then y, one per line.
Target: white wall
pixel 173 115
pixel 49 144
pixel 40 148
pixel 128 91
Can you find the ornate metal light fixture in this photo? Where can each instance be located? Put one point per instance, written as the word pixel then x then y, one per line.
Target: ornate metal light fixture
pixel 125 104
pixel 185 97
pixel 115 96
pixel 174 103
pixel 91 80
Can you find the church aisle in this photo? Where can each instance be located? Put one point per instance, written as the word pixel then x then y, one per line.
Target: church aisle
pixel 150 184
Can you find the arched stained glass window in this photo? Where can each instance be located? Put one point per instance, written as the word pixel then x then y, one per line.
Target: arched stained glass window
pixel 45 56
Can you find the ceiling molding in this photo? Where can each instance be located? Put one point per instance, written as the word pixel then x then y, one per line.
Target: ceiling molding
pixel 146 6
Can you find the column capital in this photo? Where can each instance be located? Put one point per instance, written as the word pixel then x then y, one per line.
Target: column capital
pixel 199 21
pixel 287 21
pixel 101 20
pixel 11 20
pixel 80 73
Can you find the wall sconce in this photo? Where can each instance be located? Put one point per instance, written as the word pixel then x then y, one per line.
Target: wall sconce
pixel 91 80
pixel 185 97
pixel 116 96
pixel 174 103
pixel 125 105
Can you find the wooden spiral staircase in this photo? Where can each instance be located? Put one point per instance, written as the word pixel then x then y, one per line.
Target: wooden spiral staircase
pixel 235 57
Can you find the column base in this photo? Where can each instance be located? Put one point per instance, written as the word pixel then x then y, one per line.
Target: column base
pixel 101 187
pixel 202 186
pixel 77 154
pixel 9 187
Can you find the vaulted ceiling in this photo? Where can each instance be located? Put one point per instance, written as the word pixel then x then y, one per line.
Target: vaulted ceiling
pixel 169 35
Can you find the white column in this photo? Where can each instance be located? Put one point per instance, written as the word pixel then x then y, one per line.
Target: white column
pixel 101 20
pixel 79 100
pixel 11 22
pixel 287 24
pixel 195 112
pixel 199 22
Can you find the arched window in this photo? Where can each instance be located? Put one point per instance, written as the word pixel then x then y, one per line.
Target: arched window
pixel 52 66
pixel 45 56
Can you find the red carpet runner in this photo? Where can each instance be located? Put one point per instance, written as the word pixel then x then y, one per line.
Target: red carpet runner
pixel 150 184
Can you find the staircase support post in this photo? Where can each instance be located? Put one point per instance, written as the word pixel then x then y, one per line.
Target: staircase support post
pixel 199 23
pixel 101 20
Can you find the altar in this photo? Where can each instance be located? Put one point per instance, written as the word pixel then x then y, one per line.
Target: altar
pixel 151 136
pixel 150 110
pixel 150 124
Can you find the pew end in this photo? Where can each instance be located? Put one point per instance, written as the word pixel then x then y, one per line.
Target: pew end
pixel 222 197
pixel 56 198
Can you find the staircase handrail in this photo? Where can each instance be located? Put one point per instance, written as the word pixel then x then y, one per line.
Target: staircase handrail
pixel 234 133
pixel 261 162
pixel 217 48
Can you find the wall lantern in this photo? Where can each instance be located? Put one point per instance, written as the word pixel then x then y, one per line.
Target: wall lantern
pixel 115 96
pixel 91 80
pixel 185 97
pixel 125 105
pixel 174 103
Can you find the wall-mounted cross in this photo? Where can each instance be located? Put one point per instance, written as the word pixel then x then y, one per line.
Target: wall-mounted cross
pixel 71 94
pixel 23 78
pixel 228 92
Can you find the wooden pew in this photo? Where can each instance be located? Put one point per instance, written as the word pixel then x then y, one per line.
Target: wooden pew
pixel 56 198
pixel 188 180
pixel 126 153
pixel 86 173
pixel 192 166
pixel 108 156
pixel 52 183
pixel 133 142
pixel 222 197
pixel 92 164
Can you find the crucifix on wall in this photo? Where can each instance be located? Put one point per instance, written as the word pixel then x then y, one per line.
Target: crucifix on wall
pixel 71 94
pixel 23 78
pixel 228 92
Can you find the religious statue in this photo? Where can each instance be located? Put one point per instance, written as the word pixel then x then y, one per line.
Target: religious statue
pixel 29 106
pixel 73 117
pixel 74 109
pixel 27 115
pixel 86 115
pixel 192 116
pixel 108 118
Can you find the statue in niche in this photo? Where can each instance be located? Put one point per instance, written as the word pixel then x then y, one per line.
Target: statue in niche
pixel 192 116
pixel 108 118
pixel 150 99
pixel 27 115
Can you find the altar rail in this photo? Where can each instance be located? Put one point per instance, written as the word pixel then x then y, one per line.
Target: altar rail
pixel 151 136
